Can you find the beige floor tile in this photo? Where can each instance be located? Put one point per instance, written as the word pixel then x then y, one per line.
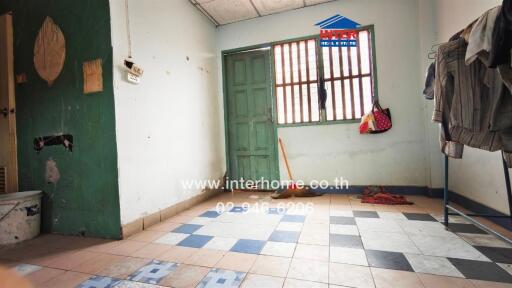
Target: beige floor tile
pixel 385 278
pixel 312 252
pixel 205 257
pixel 97 264
pixel 237 261
pixel 127 247
pixel 124 267
pixel 313 238
pixel 177 254
pixel 295 283
pixel 310 270
pixel 271 265
pixel 164 226
pixel 435 281
pixel 66 280
pixel 44 275
pixel 487 284
pixel 351 275
pixel 185 276
pixel 152 251
pixel 259 281
pixel 68 260
pixel 147 236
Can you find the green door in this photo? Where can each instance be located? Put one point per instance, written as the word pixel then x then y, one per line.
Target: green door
pixel 251 132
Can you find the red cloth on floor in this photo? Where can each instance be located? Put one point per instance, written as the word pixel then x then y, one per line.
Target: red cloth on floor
pixel 381 197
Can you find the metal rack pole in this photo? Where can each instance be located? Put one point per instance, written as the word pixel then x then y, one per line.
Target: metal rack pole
pixel 468 216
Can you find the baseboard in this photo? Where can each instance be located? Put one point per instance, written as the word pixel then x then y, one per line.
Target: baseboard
pixel 142 223
pixel 357 189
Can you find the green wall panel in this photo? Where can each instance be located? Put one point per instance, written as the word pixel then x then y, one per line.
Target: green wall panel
pixel 85 201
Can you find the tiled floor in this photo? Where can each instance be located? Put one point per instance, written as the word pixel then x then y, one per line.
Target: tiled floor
pixel 339 243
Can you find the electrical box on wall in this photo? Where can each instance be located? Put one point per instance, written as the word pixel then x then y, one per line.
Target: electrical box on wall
pixel 134 72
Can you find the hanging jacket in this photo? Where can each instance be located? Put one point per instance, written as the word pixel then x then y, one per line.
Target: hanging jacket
pixel 502 36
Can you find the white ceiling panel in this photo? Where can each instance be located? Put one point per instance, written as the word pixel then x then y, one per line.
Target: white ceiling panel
pixel 228 11
pixel 267 7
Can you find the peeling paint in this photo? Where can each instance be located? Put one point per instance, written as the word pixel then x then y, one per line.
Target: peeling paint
pixel 52 174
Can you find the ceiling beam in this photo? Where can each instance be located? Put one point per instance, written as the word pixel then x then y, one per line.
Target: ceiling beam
pixel 203 10
pixel 256 9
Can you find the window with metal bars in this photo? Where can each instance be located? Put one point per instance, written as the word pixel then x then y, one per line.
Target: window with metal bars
pixel 347 74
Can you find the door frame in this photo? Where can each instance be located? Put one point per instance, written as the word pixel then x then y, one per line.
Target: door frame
pixel 12 184
pixel 275 152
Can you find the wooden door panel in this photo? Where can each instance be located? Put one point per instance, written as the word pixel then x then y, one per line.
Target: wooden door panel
pixel 251 133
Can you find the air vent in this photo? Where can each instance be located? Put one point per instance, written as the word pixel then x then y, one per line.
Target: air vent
pixel 3 180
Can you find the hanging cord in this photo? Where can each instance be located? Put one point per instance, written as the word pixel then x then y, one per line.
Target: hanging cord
pixel 128 29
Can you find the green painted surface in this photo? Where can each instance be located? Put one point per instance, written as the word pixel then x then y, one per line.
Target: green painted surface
pixel 251 132
pixel 86 198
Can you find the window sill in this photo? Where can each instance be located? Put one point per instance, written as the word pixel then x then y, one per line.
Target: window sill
pixel 323 123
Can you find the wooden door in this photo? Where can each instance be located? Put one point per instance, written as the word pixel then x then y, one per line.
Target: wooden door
pixel 251 132
pixel 8 158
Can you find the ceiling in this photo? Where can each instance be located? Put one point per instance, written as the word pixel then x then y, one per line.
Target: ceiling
pixel 223 12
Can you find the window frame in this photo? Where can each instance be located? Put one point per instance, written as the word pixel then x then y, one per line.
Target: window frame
pixel 320 72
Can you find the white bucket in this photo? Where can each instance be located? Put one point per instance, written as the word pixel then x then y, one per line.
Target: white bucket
pixel 20 216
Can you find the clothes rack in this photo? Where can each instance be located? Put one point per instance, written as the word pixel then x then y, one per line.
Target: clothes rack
pixel 469 216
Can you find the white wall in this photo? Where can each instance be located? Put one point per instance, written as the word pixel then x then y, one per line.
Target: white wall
pixel 479 174
pixel 398 157
pixel 168 126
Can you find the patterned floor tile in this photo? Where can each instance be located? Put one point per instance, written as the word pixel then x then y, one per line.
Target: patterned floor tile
pixel 276 211
pixel 496 254
pixel 344 229
pixel 284 236
pixel 185 276
pixel 348 256
pixel 388 260
pixel 419 217
pixel 200 221
pixel 221 278
pixel 341 220
pixel 293 218
pixel 259 281
pixel 433 265
pixel 187 228
pixel 195 241
pixel 221 243
pixel 99 282
pixel 238 209
pixel 278 249
pixel 248 246
pixel 210 214
pixel 153 272
pixel 350 276
pixel 480 270
pixel 365 214
pixel 347 241
pixel 172 238
pixel 131 284
pixel 465 228
pixel 314 238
